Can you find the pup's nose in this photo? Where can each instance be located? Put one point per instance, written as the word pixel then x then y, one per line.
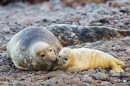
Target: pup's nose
pixel 55 60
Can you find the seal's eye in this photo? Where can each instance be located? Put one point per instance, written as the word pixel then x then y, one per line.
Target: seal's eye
pixel 59 56
pixel 50 50
pixel 42 55
pixel 66 58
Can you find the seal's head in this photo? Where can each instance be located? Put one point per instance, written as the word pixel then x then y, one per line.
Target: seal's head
pixel 44 52
pixel 64 57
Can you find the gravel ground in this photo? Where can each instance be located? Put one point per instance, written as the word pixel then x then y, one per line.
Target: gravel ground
pixel 15 17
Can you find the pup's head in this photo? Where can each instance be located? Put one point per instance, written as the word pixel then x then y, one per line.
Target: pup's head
pixel 45 53
pixel 64 57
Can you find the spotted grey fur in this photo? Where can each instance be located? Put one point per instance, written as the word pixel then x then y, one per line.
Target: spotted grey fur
pixel 20 44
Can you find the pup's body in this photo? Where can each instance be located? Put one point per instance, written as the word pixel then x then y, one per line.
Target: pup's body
pixel 84 58
pixel 33 48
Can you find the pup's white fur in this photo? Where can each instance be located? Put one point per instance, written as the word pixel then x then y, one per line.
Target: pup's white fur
pixel 83 58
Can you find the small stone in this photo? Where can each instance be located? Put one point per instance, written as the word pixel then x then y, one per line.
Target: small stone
pixel 128 43
pixel 127 69
pixel 39 72
pixel 35 78
pixel 128 83
pixel 53 80
pixel 112 72
pixel 89 80
pixel 23 77
pixel 74 81
pixel 125 75
pixel 120 84
pixel 97 43
pixel 6 29
pixel 65 76
pixel 18 84
pixel 117 47
pixel 105 83
pixel 128 51
pixel 116 75
pixel 83 79
pixel 3 55
pixel 55 74
pixel 115 10
pixel 91 19
pixel 62 82
pixel 103 71
pixel 87 84
pixel 83 84
pixel 100 76
pixel 2 78
pixel 91 71
pixel 43 78
pixel 124 81
pixel 108 17
pixel 86 76
pixel 93 84
pixel 104 48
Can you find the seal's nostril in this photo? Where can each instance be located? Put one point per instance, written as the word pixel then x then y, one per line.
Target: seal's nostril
pixel 53 61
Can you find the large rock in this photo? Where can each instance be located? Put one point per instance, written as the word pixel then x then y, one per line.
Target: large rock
pixel 81 2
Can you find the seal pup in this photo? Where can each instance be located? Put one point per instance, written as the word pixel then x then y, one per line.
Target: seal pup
pixel 34 48
pixel 74 60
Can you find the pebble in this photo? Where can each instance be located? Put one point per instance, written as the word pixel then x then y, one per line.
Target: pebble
pixel 125 75
pixel 55 74
pixel 128 51
pixel 35 78
pixel 116 75
pixel 62 82
pixel 18 84
pixel 6 29
pixel 90 80
pixel 91 71
pixel 53 80
pixel 43 78
pixel 105 83
pixel 100 76
pixel 2 78
pixel 120 84
pixel 74 81
pixel 112 72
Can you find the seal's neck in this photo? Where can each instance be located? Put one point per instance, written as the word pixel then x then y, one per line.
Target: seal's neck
pixel 72 59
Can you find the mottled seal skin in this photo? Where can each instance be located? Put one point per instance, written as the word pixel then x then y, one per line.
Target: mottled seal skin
pixel 74 60
pixel 73 34
pixel 33 48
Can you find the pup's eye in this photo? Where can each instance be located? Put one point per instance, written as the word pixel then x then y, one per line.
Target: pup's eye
pixel 42 55
pixel 50 50
pixel 66 58
pixel 59 56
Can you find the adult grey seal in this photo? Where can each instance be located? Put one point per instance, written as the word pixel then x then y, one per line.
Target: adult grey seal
pixel 34 48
